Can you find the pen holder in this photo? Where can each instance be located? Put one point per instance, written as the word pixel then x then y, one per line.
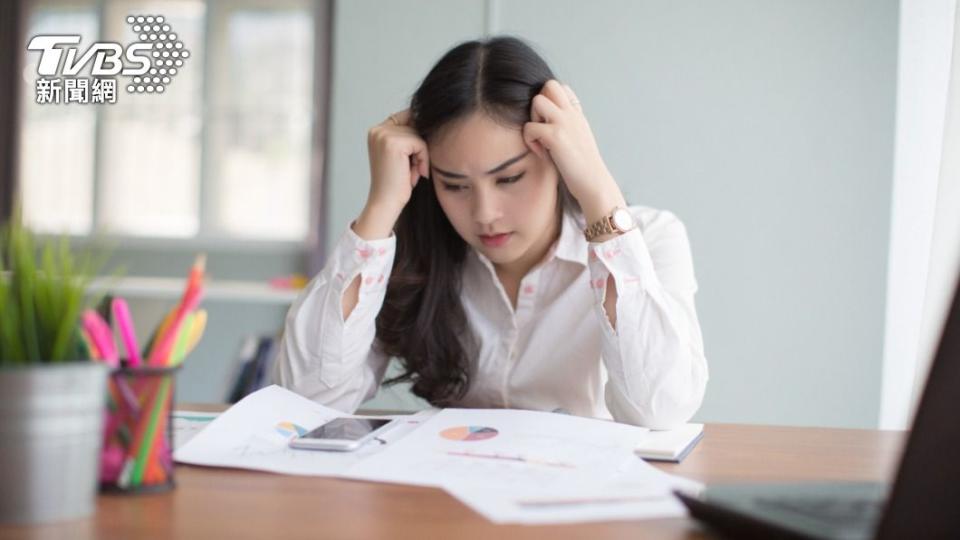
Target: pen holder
pixel 137 454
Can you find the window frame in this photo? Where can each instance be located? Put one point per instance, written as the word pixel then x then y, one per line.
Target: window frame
pixel 208 238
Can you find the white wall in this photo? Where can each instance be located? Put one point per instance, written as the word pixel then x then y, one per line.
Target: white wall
pixel 768 127
pixel 925 46
pixel 945 244
pixel 381 52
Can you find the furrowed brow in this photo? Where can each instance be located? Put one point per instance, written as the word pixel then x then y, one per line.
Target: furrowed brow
pixel 496 169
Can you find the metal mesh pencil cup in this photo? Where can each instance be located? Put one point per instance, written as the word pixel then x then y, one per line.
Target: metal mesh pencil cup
pixel 137 454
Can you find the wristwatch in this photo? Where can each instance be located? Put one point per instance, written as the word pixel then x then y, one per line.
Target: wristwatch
pixel 618 221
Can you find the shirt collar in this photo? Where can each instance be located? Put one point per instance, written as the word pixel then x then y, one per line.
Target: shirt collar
pixel 570 246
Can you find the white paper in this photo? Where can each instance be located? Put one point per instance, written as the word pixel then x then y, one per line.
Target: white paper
pixel 640 491
pixel 255 432
pixel 507 449
pixel 187 424
pixel 510 466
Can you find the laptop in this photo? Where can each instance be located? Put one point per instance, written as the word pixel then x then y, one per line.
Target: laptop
pixel 922 502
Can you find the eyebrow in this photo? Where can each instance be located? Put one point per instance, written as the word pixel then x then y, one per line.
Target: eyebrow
pixel 496 169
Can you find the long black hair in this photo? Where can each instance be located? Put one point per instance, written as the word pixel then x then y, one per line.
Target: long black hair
pixel 422 320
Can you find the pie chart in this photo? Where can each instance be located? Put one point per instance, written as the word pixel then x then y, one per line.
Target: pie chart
pixel 289 429
pixel 469 433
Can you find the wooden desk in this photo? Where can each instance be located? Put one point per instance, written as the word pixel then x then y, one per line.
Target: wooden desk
pixel 222 503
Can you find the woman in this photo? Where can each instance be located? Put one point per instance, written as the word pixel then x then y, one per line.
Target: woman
pixel 497 258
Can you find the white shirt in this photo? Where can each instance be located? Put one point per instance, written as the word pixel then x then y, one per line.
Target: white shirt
pixel 557 350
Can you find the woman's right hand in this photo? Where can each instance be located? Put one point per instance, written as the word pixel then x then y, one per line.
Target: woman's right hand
pixel 398 158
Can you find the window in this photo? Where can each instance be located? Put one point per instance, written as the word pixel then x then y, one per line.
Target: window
pixel 223 153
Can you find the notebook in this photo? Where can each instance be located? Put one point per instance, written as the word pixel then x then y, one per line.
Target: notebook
pixel 671 445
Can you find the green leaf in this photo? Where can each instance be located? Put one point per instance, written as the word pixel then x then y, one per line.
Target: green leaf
pixel 43 288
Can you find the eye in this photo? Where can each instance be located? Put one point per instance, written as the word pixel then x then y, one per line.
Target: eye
pixel 453 187
pixel 511 179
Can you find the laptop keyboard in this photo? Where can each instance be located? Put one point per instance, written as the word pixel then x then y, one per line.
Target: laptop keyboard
pixel 833 511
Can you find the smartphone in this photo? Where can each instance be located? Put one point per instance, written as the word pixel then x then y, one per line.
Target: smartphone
pixel 342 434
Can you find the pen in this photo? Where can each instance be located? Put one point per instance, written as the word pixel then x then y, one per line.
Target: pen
pixel 160 355
pixel 101 336
pixel 121 312
pixel 180 347
pixel 193 327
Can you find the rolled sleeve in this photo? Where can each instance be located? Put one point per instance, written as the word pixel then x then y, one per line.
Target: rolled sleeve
pixel 322 356
pixel 655 357
pixel 372 260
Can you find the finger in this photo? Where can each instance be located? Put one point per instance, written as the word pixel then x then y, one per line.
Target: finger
pixel 419 165
pixel 403 117
pixel 545 108
pixel 535 116
pixel 414 171
pixel 554 90
pixel 399 118
pixel 536 148
pixel 423 161
pixel 574 100
pixel 536 136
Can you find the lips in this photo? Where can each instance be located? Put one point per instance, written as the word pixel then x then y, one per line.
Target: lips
pixel 495 240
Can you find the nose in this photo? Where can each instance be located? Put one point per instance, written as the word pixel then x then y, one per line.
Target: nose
pixel 486 207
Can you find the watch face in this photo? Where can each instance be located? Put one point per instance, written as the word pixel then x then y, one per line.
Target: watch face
pixel 622 219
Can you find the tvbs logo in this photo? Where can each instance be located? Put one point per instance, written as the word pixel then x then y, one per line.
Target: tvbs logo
pixel 149 64
pixel 106 57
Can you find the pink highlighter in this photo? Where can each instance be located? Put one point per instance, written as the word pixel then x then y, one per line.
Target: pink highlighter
pixel 121 314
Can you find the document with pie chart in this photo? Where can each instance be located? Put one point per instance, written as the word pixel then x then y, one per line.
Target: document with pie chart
pixel 504 449
pixel 511 466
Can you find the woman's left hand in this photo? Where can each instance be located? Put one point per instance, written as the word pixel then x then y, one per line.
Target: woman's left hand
pixel 559 131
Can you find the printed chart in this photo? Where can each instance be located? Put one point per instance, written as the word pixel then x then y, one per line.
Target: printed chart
pixel 505 450
pixel 469 433
pixel 289 429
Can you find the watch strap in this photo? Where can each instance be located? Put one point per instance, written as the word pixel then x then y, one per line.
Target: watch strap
pixel 600 227
pixel 604 225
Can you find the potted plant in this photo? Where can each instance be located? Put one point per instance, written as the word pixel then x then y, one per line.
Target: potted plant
pixel 52 396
